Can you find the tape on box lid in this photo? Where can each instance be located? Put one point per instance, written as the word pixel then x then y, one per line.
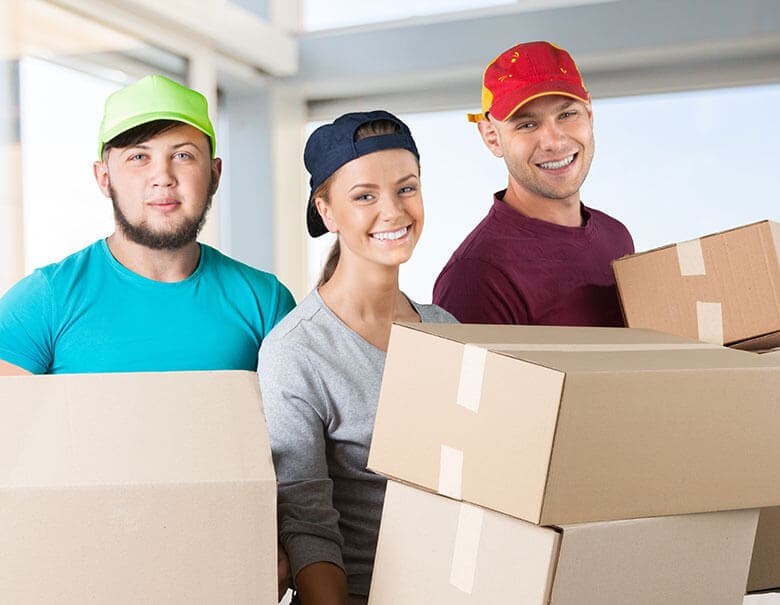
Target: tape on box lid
pixel 691 258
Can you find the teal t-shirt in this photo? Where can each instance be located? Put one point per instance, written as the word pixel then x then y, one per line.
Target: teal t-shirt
pixel 88 313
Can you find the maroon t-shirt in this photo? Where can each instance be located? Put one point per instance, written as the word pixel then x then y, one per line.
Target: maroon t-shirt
pixel 512 269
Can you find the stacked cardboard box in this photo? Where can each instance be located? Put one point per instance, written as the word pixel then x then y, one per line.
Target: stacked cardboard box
pixel 136 488
pixel 722 288
pixel 562 426
pixel 435 550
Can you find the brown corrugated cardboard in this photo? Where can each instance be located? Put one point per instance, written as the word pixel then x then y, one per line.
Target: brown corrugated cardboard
pixel 568 425
pixel 765 564
pixel 133 488
pixel 722 288
pixel 436 551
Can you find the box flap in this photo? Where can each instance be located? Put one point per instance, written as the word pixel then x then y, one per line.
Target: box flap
pixel 98 429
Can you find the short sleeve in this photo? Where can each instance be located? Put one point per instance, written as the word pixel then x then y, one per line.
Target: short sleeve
pixel 26 333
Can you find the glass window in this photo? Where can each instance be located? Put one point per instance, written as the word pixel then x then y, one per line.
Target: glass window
pixel 63 209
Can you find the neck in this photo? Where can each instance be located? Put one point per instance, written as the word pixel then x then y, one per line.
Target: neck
pixel 369 293
pixel 565 212
pixel 367 299
pixel 158 265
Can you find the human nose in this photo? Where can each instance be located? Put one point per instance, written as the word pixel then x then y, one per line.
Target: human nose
pixel 162 173
pixel 551 135
pixel 392 207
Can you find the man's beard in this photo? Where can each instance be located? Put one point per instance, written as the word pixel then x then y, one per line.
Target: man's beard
pixel 141 234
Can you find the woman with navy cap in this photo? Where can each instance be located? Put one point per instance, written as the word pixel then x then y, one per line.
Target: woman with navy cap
pixel 321 367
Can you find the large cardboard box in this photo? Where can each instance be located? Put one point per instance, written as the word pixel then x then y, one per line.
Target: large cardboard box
pixel 136 488
pixel 567 425
pixel 723 288
pixel 436 551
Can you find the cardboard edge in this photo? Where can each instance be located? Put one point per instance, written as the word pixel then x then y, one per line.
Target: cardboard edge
pixel 666 246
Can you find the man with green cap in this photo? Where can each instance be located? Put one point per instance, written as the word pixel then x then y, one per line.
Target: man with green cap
pixel 149 297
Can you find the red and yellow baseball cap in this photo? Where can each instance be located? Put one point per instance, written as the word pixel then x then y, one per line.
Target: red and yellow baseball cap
pixel 525 72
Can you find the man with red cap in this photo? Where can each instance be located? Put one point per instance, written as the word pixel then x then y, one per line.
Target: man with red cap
pixel 540 256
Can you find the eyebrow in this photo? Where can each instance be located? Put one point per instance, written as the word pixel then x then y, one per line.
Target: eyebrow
pixel 145 145
pixel 528 114
pixel 403 179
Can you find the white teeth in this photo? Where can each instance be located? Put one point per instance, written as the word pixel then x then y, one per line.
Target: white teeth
pixel 391 234
pixel 558 164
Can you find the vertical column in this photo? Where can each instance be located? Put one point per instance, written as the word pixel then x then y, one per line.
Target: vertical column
pixel 11 216
pixel 202 76
pixel 288 118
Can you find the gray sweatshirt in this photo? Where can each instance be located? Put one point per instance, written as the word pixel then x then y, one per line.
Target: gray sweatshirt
pixel 320 383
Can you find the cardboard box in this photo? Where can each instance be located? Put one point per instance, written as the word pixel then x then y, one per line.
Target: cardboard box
pixel 567 425
pixel 723 288
pixel 765 564
pixel 434 550
pixel 136 488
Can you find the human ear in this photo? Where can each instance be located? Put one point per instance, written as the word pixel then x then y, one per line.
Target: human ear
pixel 326 214
pixel 489 134
pixel 100 170
pixel 216 173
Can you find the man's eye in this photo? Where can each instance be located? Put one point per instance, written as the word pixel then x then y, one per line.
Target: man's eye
pixel 525 125
pixel 136 156
pixel 182 155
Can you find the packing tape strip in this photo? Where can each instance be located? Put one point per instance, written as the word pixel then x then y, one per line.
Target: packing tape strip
pixel 450 472
pixel 709 316
pixel 691 258
pixel 472 370
pixel 466 550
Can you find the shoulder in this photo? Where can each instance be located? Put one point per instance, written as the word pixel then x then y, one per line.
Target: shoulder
pixel 434 314
pixel 300 326
pixel 605 220
pixel 214 259
pixel 220 266
pixel 288 349
pixel 86 258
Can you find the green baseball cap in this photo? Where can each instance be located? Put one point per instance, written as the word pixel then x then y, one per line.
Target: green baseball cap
pixel 154 98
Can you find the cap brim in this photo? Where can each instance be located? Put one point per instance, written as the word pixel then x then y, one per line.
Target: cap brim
pixel 509 104
pixel 139 120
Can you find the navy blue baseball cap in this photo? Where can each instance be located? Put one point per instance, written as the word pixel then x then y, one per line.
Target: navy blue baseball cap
pixel 333 145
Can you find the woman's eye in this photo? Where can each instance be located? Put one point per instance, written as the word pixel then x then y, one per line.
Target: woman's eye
pixel 408 189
